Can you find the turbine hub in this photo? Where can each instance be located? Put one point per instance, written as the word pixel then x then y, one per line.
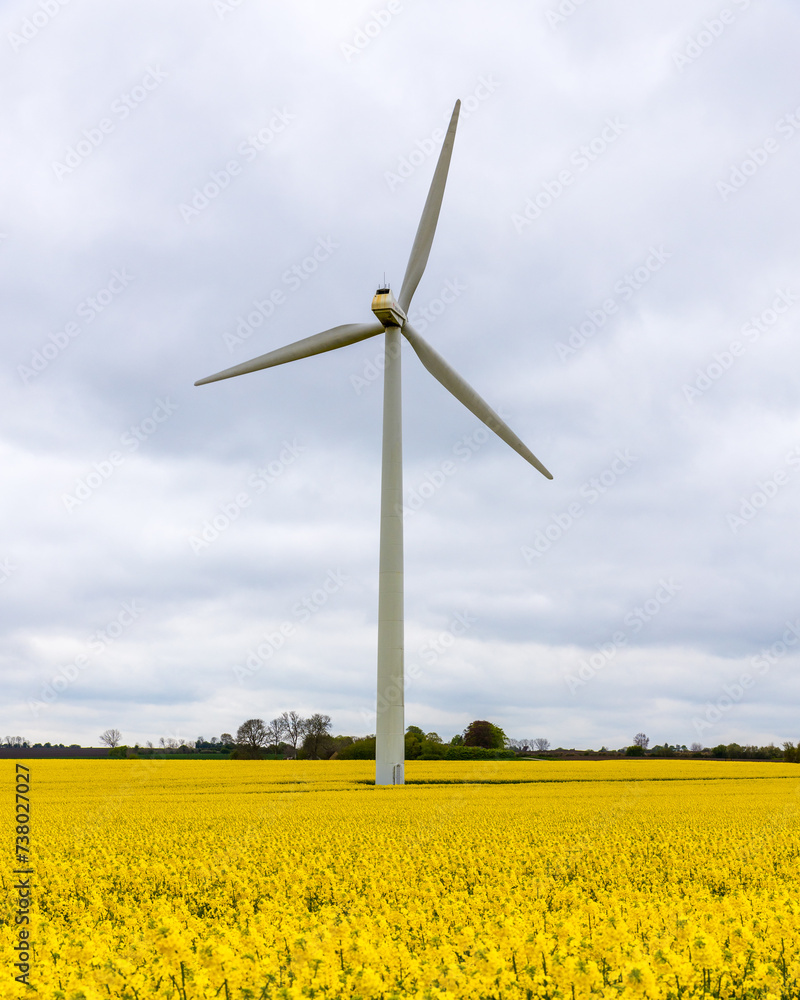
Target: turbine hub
pixel 385 307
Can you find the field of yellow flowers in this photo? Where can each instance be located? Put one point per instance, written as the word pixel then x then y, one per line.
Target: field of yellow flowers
pixel 245 879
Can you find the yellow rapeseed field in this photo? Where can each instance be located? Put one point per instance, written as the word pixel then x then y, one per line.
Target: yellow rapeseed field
pixel 205 879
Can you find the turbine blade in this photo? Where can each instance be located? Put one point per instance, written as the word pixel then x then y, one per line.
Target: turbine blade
pixel 328 340
pixel 430 216
pixel 464 392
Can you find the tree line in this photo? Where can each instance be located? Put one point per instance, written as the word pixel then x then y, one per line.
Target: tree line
pixel 292 736
pixel 728 751
pixel 311 739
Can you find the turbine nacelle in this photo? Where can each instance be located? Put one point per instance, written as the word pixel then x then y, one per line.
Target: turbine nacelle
pixel 387 309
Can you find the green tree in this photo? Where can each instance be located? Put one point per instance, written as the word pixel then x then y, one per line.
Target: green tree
pixel 252 737
pixel 484 734
pixel 432 749
pixel 318 743
pixel 276 730
pixel 294 728
pixel 341 743
pixel 414 740
pixel 361 749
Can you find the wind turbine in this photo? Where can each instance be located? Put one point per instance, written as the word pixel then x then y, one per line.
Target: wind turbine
pixel 391 319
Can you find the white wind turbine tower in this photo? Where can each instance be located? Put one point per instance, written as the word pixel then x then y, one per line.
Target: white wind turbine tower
pixel 391 316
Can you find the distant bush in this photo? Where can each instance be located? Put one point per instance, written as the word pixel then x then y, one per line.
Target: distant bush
pixel 242 753
pixel 733 751
pixel 477 753
pixel 359 750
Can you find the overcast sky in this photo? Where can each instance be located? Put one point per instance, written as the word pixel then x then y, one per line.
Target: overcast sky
pixel 188 185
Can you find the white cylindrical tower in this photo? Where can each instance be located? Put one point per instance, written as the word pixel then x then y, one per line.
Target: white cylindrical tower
pixel 390 723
